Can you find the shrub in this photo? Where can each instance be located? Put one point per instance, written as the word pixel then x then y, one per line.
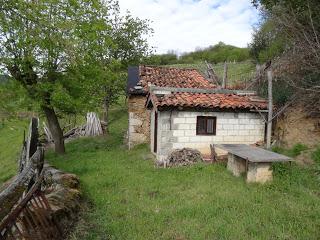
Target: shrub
pixel 291 152
pixel 316 155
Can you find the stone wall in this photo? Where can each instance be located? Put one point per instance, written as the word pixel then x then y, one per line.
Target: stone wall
pixel 256 172
pixel 139 121
pixel 64 196
pixel 179 130
pixel 236 165
pixel 259 172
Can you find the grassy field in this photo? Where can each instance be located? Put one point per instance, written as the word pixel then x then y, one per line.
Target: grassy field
pixel 131 199
pixel 11 137
pixel 128 198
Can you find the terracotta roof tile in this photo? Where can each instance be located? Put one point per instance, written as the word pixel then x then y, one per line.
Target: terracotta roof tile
pixel 208 100
pixel 172 77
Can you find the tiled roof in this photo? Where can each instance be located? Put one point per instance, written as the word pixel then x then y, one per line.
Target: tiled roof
pixel 208 100
pixel 172 77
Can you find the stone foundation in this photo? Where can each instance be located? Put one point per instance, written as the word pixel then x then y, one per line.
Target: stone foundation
pixel 259 172
pixel 256 172
pixel 236 165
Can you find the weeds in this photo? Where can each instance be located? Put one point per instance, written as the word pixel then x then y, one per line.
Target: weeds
pixel 291 152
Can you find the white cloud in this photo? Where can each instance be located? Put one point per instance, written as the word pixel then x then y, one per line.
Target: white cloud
pixel 183 25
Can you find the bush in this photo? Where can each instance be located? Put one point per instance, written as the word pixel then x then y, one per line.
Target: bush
pixel 291 152
pixel 281 169
pixel 297 149
pixel 216 54
pixel 281 91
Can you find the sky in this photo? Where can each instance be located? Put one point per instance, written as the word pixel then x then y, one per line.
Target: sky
pixel 184 25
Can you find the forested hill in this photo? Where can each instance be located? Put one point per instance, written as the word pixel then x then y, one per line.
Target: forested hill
pixel 214 54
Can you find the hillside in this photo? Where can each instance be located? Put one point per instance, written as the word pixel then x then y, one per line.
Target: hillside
pixel 214 54
pixel 131 199
pixel 240 67
pixel 238 72
pixel 11 137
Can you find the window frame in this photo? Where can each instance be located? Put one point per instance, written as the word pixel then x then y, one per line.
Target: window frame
pixel 206 125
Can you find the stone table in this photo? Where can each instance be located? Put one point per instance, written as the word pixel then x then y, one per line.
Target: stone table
pixel 255 162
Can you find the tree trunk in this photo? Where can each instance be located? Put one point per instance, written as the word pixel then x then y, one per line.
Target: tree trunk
pixel 55 129
pixel 106 106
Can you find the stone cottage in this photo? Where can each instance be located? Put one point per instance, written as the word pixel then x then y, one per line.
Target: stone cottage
pixel 172 108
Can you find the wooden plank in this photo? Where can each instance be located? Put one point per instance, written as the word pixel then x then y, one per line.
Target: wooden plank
pixel 225 75
pixel 270 106
pixel 253 154
pixel 10 196
pixel 18 208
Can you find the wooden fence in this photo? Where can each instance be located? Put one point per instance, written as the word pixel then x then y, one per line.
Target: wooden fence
pixel 24 210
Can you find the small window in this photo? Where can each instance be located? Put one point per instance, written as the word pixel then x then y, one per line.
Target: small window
pixel 206 125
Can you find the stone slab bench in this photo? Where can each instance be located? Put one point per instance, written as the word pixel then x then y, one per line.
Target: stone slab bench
pixel 255 162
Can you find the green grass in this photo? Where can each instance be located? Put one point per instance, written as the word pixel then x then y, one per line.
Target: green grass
pixel 11 137
pixel 238 72
pixel 291 152
pixel 316 155
pixel 131 199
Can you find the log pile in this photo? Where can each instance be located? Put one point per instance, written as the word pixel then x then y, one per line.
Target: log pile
pixel 75 132
pixel 184 157
pixel 93 127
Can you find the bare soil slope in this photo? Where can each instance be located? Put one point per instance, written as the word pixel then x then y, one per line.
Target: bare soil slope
pixel 294 126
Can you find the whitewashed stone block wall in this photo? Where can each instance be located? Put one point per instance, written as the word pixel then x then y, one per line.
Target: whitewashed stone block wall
pixel 180 130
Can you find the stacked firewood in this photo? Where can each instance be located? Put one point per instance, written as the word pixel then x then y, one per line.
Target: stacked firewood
pixel 184 157
pixel 93 127
pixel 75 132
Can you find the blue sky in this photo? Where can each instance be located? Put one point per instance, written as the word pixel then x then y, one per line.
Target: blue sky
pixel 183 25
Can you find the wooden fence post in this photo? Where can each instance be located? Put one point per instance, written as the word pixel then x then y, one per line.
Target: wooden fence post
pixel 269 125
pixel 225 75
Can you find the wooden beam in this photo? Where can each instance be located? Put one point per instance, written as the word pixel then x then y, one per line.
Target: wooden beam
pixel 225 75
pixel 199 90
pixel 269 125
pixel 10 195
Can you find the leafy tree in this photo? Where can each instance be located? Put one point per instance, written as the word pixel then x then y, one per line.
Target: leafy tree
pixel 13 97
pixel 67 54
pixel 38 44
pixel 217 53
pixel 111 44
pixel 162 59
pixel 294 41
pixel 268 42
